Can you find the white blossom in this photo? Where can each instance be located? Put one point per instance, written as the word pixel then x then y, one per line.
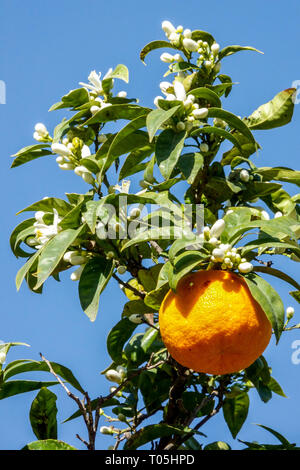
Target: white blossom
pixel 190 44
pixel 245 267
pixel 75 276
pixel 95 84
pixel 122 94
pixel 168 28
pixel 217 228
pixel 166 57
pixel 61 149
pixel 44 232
pixel 179 91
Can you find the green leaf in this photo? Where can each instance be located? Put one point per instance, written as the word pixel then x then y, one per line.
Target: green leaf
pixel 15 387
pixel 248 148
pixel 24 365
pixel 136 307
pixel 131 127
pixel 279 174
pixel 48 444
pixel 153 46
pixel 269 301
pixel 48 204
pixel 150 433
pixel 208 95
pixel 27 266
pixel 218 445
pixel 94 404
pixel 93 280
pixel 190 164
pixel 157 117
pixel 277 273
pixel 53 252
pixel 117 111
pixel 168 149
pixel 275 113
pixel 203 35
pixel 121 72
pixel 73 99
pixel 295 295
pixel 43 413
pixel 229 50
pixel 222 88
pixel 184 264
pixel 16 234
pixel 233 121
pixel 117 337
pixel 275 387
pixel 280 437
pixel 235 412
pixel 30 153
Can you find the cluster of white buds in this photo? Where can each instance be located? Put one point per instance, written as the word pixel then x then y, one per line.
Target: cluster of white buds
pixel 117 375
pixel 41 133
pixel 180 37
pixel 76 258
pixel 191 113
pixel 42 231
pixel 68 157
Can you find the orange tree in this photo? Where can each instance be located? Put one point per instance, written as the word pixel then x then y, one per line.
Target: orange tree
pixel 198 210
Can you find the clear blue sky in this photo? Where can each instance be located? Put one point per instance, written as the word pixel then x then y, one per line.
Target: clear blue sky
pixel 46 49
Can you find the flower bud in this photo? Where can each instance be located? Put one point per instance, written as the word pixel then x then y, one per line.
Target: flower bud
pixel 245 268
pixel 177 58
pixel 168 28
pixel 94 109
pixel 61 160
pixel 66 166
pixel 102 138
pixel 2 357
pixel 136 318
pixel 214 241
pixel 121 417
pixel 75 276
pixel 290 313
pixel 200 113
pixel 134 213
pixel 204 148
pixel 113 376
pixel 174 39
pixel 122 371
pixel 190 45
pixel 187 33
pixel 264 215
pixel 167 58
pixel 106 430
pixel 217 67
pixel 38 137
pixel 218 254
pixel 166 87
pixel 88 177
pixel 215 48
pixel 41 129
pixel 122 269
pixel 122 94
pixel 60 149
pixel 218 228
pixel 244 176
pixel 277 214
pixel 180 126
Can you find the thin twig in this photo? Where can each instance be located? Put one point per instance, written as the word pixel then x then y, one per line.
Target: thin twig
pixel 142 295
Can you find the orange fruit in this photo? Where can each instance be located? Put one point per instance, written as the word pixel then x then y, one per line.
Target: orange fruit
pixel 212 323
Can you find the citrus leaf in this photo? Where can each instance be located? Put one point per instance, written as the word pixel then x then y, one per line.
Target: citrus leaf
pixel 208 95
pixel 153 46
pixel 48 444
pixel 269 301
pixel 233 121
pixel 279 174
pixel 15 387
pixel 30 153
pixel 198 35
pixel 157 117
pixel 43 413
pixel 121 72
pixel 279 436
pixel 117 337
pixel 229 50
pixel 150 433
pixel 117 111
pixel 275 113
pixel 93 280
pixel 235 412
pixel 277 273
pixel 219 132
pixel 168 149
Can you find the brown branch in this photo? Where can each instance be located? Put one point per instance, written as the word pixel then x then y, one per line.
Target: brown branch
pixel 142 295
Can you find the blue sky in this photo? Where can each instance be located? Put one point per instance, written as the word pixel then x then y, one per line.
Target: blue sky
pixel 46 49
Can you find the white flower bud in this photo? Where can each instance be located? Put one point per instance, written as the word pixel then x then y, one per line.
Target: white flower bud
pixel 61 160
pixel 2 357
pixel 214 241
pixel 75 276
pixel 230 211
pixel 38 137
pixel 179 91
pixel 106 430
pixel 174 39
pixel 136 318
pixel 215 48
pixel 41 129
pixel 217 67
pixel 134 213
pixel 122 94
pixel 113 376
pixel 66 166
pixel 290 312
pixel 187 33
pixel 204 148
pixel 200 113
pixel 218 254
pixel 244 176
pixel 94 109
pixel 277 214
pixel 88 177
pixel 218 228
pixel 208 64
pixel 264 215
pixel 177 58
pixel 180 126
pixel 168 28
pixel 190 45
pixel 60 149
pixel 122 269
pixel 245 267
pixel 122 371
pixel 167 58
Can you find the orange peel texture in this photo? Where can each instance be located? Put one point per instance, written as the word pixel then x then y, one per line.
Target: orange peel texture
pixel 212 324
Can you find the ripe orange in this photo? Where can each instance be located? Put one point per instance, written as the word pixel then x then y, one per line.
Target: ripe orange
pixel 212 323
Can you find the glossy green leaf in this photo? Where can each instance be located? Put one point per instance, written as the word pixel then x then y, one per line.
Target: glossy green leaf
pixel 150 433
pixel 277 273
pixel 157 117
pixel 269 301
pixel 229 50
pixel 117 111
pixel 220 133
pixel 233 121
pixel 131 127
pixel 26 365
pixel 73 99
pixel 184 264
pixel 48 444
pixel 121 72
pixel 279 436
pixel 16 235
pixel 132 163
pixel 43 413
pixel 53 252
pixel 198 35
pixel 30 153
pixel 275 113
pixel 208 95
pixel 48 204
pixel 15 387
pixel 152 46
pixel 190 165
pixel 280 174
pixel 218 445
pixel 296 295
pixel 168 149
pixel 235 412
pixel 93 280
pixel 27 266
pixel 117 337
pixel 248 148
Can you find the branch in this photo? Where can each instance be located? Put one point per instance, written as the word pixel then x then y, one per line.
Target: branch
pixel 142 295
